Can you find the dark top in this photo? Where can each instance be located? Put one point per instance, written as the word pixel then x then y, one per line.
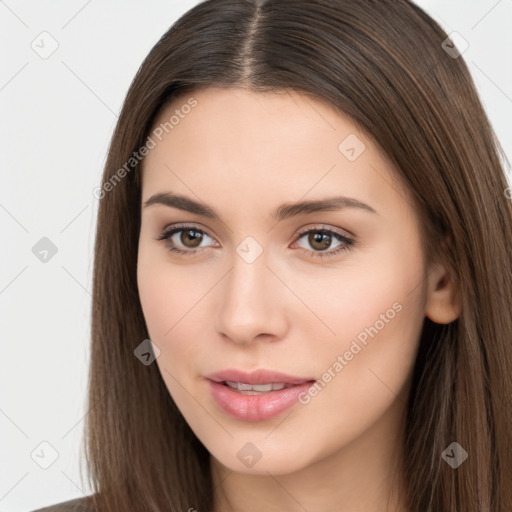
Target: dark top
pixel 76 505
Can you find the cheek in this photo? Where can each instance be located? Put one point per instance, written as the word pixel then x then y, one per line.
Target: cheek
pixel 166 291
pixel 171 297
pixel 166 312
pixel 377 316
pixel 154 295
pixel 375 294
pixel 376 310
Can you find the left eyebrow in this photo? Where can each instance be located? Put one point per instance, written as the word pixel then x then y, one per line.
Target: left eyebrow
pixel 288 210
pixel 284 211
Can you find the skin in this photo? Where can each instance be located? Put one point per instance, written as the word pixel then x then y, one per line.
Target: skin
pixel 244 154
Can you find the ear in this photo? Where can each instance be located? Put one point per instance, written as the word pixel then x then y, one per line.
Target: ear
pixel 444 302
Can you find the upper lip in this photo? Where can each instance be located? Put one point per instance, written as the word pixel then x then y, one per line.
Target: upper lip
pixel 256 377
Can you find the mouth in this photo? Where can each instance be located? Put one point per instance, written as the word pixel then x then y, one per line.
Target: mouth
pixel 256 396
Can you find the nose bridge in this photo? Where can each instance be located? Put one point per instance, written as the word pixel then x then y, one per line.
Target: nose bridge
pixel 249 305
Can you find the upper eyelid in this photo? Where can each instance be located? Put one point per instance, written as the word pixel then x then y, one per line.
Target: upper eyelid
pixel 321 227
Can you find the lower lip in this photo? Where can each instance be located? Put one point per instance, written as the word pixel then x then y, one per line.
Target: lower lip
pixel 256 407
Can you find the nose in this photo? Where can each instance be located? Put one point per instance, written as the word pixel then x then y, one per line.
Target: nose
pixel 252 303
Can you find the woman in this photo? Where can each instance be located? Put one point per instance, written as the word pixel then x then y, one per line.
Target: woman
pixel 302 273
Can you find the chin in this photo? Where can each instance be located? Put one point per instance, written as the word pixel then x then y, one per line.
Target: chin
pixel 275 462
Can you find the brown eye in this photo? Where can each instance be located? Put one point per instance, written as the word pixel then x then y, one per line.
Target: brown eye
pixel 319 240
pixel 191 238
pixel 185 240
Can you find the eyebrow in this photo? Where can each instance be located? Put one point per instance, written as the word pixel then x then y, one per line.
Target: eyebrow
pixel 283 212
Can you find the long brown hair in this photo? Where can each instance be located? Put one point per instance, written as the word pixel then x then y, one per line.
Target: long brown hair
pixel 384 64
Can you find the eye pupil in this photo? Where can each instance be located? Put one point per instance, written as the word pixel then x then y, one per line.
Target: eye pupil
pixel 321 238
pixel 185 238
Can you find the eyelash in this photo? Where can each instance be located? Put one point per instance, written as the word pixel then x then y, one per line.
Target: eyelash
pixel 348 242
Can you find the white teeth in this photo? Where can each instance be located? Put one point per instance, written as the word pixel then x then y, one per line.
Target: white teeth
pixel 242 386
pixel 262 387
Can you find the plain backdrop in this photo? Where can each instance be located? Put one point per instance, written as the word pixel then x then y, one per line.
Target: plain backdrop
pixel 57 115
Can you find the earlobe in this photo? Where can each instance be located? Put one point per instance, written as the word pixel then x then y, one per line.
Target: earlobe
pixel 444 302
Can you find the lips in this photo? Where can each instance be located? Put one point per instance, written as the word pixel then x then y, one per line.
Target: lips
pixel 256 396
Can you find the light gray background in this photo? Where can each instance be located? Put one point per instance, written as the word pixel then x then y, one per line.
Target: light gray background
pixel 57 116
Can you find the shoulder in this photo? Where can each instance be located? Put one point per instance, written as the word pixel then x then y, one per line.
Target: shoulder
pixel 76 505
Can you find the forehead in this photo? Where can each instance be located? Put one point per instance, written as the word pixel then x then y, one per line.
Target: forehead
pixel 276 144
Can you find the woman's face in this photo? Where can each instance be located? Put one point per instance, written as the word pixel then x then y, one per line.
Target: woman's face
pixel 334 295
